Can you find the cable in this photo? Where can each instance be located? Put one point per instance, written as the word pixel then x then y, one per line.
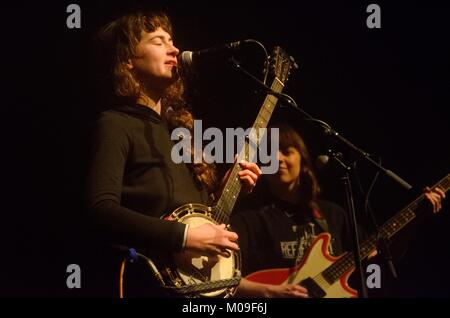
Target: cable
pixel 367 207
pixel 266 71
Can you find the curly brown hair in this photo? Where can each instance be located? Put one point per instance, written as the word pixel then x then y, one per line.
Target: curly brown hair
pixel 117 45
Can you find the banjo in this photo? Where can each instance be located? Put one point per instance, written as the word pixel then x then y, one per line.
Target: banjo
pixel 188 275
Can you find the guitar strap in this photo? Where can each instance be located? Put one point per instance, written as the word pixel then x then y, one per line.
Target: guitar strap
pixel 322 222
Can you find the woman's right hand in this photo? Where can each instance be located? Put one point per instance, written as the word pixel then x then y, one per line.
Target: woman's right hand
pixel 286 291
pixel 248 288
pixel 211 240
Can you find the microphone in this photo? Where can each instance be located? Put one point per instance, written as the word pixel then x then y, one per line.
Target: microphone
pixel 322 162
pixel 189 59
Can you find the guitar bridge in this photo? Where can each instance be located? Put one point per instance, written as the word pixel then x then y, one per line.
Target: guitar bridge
pixel 314 290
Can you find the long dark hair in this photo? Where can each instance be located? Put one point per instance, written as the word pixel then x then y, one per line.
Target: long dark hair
pixel 117 42
pixel 309 189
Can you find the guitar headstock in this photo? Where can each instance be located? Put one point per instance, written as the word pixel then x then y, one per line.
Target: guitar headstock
pixel 282 64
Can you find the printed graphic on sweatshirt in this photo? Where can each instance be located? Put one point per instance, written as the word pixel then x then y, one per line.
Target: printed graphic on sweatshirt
pixel 297 249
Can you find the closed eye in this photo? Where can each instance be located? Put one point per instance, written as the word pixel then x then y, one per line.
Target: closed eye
pixel 160 40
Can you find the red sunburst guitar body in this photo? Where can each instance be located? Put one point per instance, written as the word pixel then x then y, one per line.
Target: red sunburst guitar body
pixel 316 260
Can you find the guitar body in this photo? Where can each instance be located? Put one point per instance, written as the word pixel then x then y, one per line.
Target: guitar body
pixel 316 260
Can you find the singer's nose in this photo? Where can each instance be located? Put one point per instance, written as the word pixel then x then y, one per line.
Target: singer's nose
pixel 173 50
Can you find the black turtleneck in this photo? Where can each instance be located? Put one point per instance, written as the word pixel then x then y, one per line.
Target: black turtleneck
pixel 132 181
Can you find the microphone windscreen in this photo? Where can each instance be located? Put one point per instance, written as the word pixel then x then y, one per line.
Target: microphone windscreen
pixel 186 58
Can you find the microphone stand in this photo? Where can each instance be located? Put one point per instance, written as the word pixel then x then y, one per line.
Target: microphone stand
pixel 381 239
pixel 354 225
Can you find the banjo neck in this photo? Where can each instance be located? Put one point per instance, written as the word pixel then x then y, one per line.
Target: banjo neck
pixel 232 187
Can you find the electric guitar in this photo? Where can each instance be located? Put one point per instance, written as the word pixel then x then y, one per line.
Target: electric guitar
pixel 192 276
pixel 326 276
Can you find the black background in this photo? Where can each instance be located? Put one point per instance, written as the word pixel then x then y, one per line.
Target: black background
pixel 387 90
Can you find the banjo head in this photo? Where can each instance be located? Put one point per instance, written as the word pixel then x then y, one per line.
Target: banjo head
pixel 192 268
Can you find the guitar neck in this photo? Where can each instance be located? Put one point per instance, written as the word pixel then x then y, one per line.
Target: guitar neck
pixel 389 229
pixel 232 188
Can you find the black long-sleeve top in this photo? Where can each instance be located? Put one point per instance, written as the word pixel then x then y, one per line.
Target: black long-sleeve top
pixel 132 181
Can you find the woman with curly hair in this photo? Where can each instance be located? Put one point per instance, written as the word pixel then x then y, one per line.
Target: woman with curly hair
pixel 132 180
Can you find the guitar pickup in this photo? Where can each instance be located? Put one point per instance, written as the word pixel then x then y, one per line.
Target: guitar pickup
pixel 314 290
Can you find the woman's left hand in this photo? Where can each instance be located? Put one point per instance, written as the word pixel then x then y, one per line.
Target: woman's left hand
pixel 435 198
pixel 248 175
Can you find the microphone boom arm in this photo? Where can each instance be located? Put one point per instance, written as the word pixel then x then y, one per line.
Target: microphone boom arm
pixel 328 130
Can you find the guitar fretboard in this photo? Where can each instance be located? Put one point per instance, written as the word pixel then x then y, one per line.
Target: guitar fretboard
pixel 389 229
